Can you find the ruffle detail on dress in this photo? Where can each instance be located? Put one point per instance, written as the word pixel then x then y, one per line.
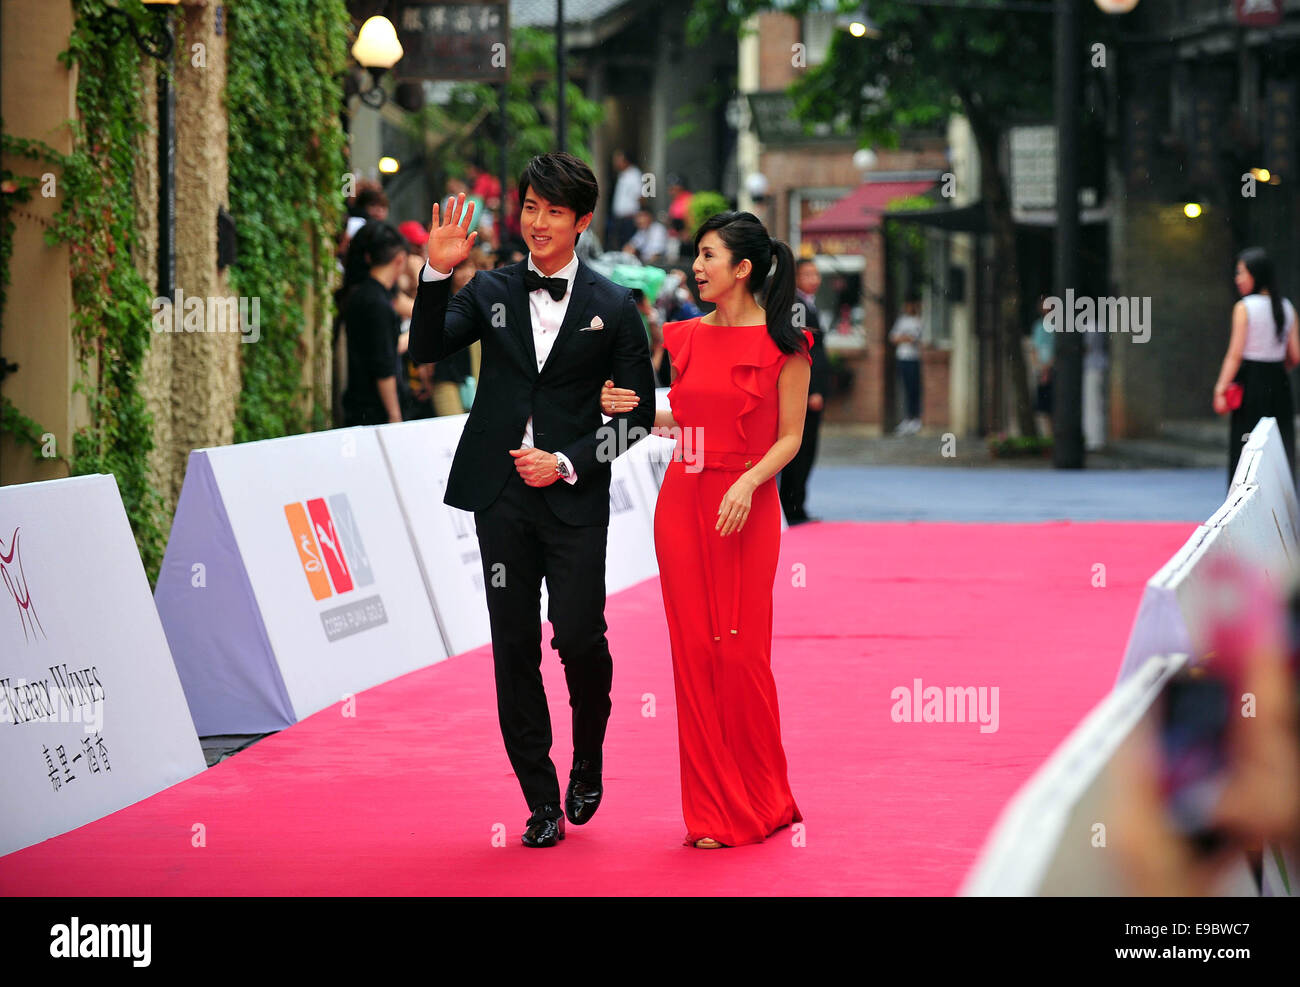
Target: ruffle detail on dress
pixel 677 341
pixel 748 369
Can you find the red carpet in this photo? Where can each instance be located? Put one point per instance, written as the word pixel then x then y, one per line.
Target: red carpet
pixel 403 798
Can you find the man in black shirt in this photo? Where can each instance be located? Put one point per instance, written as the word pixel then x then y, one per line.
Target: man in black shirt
pixel 794 478
pixel 373 328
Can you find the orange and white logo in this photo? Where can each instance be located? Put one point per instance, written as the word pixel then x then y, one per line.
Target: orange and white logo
pixel 329 545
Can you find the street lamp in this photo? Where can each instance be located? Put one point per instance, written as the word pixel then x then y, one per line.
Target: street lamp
pixel 858 24
pixel 377 50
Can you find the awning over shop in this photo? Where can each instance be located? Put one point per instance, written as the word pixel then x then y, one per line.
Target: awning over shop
pixel 973 218
pixel 963 219
pixel 861 209
pixel 844 226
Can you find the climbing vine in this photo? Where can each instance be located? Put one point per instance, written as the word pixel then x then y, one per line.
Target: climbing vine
pixel 287 164
pixel 95 219
pixel 15 190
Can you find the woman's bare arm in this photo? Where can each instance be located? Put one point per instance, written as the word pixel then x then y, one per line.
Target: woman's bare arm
pixel 792 393
pixel 1236 346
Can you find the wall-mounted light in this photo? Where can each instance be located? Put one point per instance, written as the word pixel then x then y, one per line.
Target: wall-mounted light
pixel 1192 210
pixel 858 24
pixel 389 166
pixel 1116 6
pixel 377 50
pixel 1261 174
pixel 159 42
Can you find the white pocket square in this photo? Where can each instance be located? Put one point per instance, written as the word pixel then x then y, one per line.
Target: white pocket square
pixel 596 325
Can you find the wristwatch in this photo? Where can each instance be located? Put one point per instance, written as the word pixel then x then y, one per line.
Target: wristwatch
pixel 561 467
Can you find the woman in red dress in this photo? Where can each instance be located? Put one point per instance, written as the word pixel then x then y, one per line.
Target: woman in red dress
pixel 739 392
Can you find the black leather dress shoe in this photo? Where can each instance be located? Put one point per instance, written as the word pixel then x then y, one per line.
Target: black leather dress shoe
pixel 585 790
pixel 545 827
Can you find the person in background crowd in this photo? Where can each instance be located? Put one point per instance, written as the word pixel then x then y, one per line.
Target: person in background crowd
pixel 794 478
pixel 626 202
pixel 680 247
pixel 659 358
pixel 1043 353
pixel 681 303
pixel 1263 349
pixel 511 251
pixel 416 397
pixel 650 240
pixel 448 376
pixel 679 199
pixel 368 203
pixel 653 320
pixel 482 183
pixel 372 327
pixel 906 337
pixel 1095 360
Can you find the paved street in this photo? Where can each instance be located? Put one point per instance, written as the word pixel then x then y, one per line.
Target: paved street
pixel 863 478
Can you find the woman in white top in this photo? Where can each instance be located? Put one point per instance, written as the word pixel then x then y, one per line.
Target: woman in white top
pixel 1263 348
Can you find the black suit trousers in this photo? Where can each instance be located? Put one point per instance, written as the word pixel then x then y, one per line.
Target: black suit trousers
pixel 794 478
pixel 521 541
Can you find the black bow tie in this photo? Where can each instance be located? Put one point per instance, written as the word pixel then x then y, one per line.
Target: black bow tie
pixel 557 287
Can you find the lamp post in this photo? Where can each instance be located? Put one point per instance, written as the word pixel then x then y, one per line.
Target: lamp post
pixel 159 43
pixel 377 50
pixel 561 79
pixel 1067 419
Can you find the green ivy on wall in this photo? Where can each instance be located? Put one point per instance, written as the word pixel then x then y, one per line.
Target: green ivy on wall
pixel 110 299
pixel 284 93
pixel 15 190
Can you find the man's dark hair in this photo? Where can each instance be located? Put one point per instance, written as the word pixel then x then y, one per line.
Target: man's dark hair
pixel 802 261
pixel 370 194
pixel 380 243
pixel 561 179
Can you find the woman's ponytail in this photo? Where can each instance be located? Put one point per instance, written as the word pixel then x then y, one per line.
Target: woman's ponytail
pixel 779 301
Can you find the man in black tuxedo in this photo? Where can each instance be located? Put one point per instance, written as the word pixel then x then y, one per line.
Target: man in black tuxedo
pixel 794 478
pixel 533 463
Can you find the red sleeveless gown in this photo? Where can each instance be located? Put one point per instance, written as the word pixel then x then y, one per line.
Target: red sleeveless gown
pixel 718 591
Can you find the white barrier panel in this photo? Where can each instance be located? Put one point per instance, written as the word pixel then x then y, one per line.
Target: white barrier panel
pixel 630 552
pixel 1256 524
pixel 1044 842
pixel 1264 465
pixel 92 716
pixel 290 582
pixel 419 457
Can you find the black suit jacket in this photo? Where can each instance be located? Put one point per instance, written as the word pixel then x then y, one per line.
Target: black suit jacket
pixel 563 398
pixel 820 381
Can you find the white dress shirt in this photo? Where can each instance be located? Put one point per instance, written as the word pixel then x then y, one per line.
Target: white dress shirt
pixel 627 192
pixel 547 317
pixel 650 242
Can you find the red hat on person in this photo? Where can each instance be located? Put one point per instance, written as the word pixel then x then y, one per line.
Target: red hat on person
pixel 416 235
